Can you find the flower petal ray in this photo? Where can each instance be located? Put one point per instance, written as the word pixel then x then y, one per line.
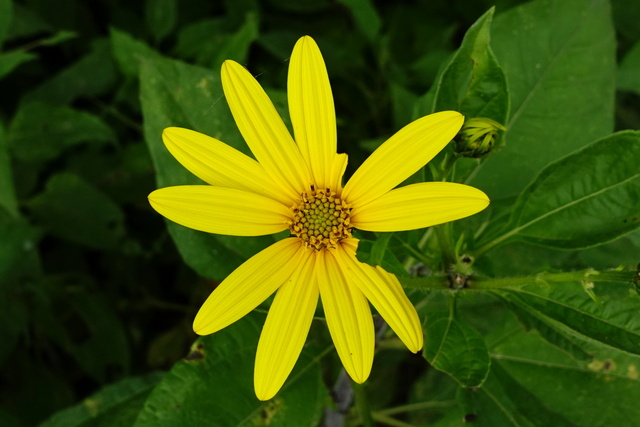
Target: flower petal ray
pixel 384 291
pixel 249 285
pixel 401 156
pixel 418 206
pixel 219 164
pixel 220 210
pixel 311 109
pixel 263 129
pixel 286 328
pixel 348 318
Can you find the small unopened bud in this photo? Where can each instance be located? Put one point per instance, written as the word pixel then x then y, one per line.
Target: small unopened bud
pixel 477 137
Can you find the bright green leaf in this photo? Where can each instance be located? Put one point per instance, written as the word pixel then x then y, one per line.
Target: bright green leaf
pixel 585 199
pixel 456 348
pixel 472 82
pixel 559 59
pixel 614 322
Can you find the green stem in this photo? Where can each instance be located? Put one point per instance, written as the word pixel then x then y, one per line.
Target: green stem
pixel 443 234
pixel 362 404
pixel 588 275
pixel 475 283
pixel 495 242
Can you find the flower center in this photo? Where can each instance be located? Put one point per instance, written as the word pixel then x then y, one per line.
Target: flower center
pixel 321 219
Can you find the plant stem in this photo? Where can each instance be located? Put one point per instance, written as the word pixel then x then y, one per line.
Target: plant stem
pixel 443 235
pixel 362 405
pixel 475 283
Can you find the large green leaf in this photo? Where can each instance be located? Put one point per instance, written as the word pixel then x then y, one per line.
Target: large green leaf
pixel 629 71
pixel 177 94
pixel 614 322
pixel 585 199
pixel 473 82
pixel 116 405
pixel 213 386
pixel 559 59
pixel 161 17
pixel 456 348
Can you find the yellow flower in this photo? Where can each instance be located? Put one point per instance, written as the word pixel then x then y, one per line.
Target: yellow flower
pixel 296 184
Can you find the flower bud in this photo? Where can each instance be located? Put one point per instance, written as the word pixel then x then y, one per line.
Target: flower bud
pixel 477 137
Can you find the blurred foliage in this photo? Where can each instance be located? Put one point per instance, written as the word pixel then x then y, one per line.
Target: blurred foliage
pixel 97 293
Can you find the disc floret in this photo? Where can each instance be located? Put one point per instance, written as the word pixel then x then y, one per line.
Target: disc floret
pixel 321 219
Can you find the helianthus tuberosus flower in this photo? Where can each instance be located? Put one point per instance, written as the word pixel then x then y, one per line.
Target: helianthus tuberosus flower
pixel 296 184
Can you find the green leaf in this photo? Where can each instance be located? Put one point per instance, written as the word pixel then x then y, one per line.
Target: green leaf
pixel 629 71
pixel 552 331
pixel 92 75
pixel 41 132
pixel 6 15
pixel 559 59
pixel 115 405
pixel 161 17
pixel 377 253
pixel 532 383
pixel 214 385
pixel 177 94
pixel 8 199
pixel 129 52
pixel 585 199
pixel 72 209
pixel 237 45
pixel 366 17
pixel 456 348
pixel 9 61
pixel 19 268
pixel 614 322
pixel 472 82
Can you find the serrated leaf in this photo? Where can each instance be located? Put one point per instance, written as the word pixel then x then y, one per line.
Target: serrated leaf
pixel 72 209
pixel 41 132
pixel 456 348
pixel 585 199
pixel 554 332
pixel 612 322
pixel 472 82
pixel 559 59
pixel 115 405
pixel 214 385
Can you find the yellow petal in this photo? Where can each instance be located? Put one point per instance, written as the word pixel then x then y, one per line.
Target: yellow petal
pixel 263 129
pixel 219 164
pixel 249 285
pixel 401 156
pixel 384 291
pixel 348 317
pixel 221 210
pixel 286 329
pixel 311 109
pixel 418 206
pixel 338 167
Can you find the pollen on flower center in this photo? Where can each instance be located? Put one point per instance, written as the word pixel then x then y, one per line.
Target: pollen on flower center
pixel 321 219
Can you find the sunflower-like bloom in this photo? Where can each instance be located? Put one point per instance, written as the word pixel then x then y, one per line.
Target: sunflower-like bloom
pixel 296 184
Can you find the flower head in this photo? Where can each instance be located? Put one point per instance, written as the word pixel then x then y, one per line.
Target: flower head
pixel 295 183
